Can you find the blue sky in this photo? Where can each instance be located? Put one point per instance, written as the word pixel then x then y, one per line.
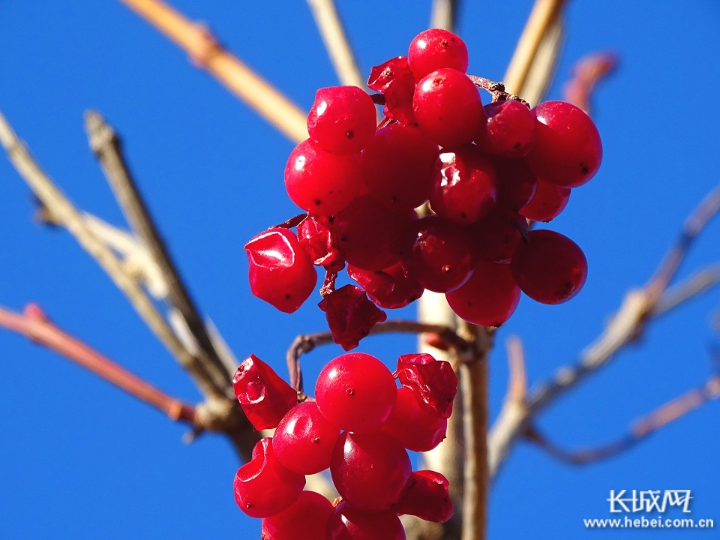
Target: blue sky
pixel 79 459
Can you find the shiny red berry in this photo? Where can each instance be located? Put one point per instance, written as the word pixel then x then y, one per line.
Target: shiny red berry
pixel 414 424
pixel 390 288
pixel 427 497
pixel 547 203
pixel 395 80
pixel 350 523
pixel 435 49
pixel 508 130
pixel 516 183
pixel 305 519
pixel 342 119
pixel 350 315
pixel 432 381
pixel 496 236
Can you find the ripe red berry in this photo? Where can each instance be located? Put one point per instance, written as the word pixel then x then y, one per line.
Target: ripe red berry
pixel 318 240
pixel 414 424
pixel 356 392
pixel 263 487
pixel 320 182
pixel 395 80
pixel 264 397
pixel 391 288
pixel 281 272
pixel 349 523
pixel 427 497
pixel 547 203
pixel 508 130
pixel 447 107
pixel 496 236
pixel 372 236
pixel 489 297
pixel 465 186
pixel 304 439
pixel 342 119
pixel 516 183
pixel 350 315
pixel 369 471
pixel 432 381
pixel 567 149
pixel 305 519
pixel 550 268
pixel 435 49
pixel 439 254
pixel 398 166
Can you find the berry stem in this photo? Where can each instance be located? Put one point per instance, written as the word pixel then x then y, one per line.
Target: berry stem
pixel 497 89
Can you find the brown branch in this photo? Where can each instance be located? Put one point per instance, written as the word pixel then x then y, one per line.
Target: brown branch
pixel 107 147
pixel 36 327
pixel 585 75
pixel 497 89
pixel 206 52
pixel 639 431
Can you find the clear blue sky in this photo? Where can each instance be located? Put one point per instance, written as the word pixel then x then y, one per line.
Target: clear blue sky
pixel 81 460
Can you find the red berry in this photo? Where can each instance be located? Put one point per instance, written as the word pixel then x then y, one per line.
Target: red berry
pixel 447 107
pixel 342 119
pixel 305 519
pixel 320 182
pixel 356 392
pixel 567 149
pixel 263 487
pixel 496 236
pixel 350 315
pixel 304 439
pixel 465 185
pixel 371 236
pixel 349 523
pixel 427 497
pixel 369 471
pixel 398 166
pixel 550 268
pixel 439 254
pixel 432 381
pixel 395 80
pixel 415 425
pixel 489 297
pixel 317 239
pixel 435 49
pixel 547 203
pixel 516 183
pixel 281 272
pixel 264 397
pixel 391 288
pixel 508 130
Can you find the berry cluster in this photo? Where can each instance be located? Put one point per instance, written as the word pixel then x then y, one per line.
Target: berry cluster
pixel 360 427
pixel 486 171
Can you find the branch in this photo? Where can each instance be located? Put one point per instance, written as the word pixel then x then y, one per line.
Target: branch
pixel 586 74
pixel 34 325
pixel 336 42
pixel 106 146
pixel 444 14
pixel 639 431
pixel 207 53
pixel 69 217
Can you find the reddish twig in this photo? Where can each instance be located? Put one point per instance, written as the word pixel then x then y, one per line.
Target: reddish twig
pixel 586 74
pixel 497 89
pixel 35 326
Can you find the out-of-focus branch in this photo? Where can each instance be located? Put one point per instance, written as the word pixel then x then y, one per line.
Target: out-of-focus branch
pixel 542 70
pixel 544 15
pixel 444 14
pixel 206 52
pixel 69 217
pixel 107 147
pixel 336 42
pixel 586 74
pixel 36 327
pixel 639 431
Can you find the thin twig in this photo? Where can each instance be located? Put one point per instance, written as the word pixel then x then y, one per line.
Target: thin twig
pixel 444 14
pixel 66 214
pixel 206 52
pixel 36 327
pixel 517 387
pixel 107 147
pixel 586 74
pixel 336 42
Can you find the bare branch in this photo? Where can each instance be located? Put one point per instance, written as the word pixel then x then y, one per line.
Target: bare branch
pixel 586 74
pixel 517 387
pixel 444 14
pixel 336 42
pixel 37 328
pixel 205 52
pixel 542 70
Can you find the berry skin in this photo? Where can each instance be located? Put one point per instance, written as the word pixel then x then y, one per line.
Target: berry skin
pixel 398 166
pixel 427 497
pixel 395 80
pixel 320 182
pixel 316 237
pixel 305 519
pixel 489 297
pixel 264 397
pixel 356 392
pixel 391 288
pixel 281 272
pixel 567 149
pixel 435 49
pixel 547 203
pixel 465 185
pixel 349 523
pixel 415 425
pixel 439 254
pixel 496 236
pixel 263 487
pixel 304 440
pixel 432 381
pixel 448 108
pixel 508 130
pixel 369 471
pixel 550 268
pixel 342 119
pixel 350 315
pixel 516 183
